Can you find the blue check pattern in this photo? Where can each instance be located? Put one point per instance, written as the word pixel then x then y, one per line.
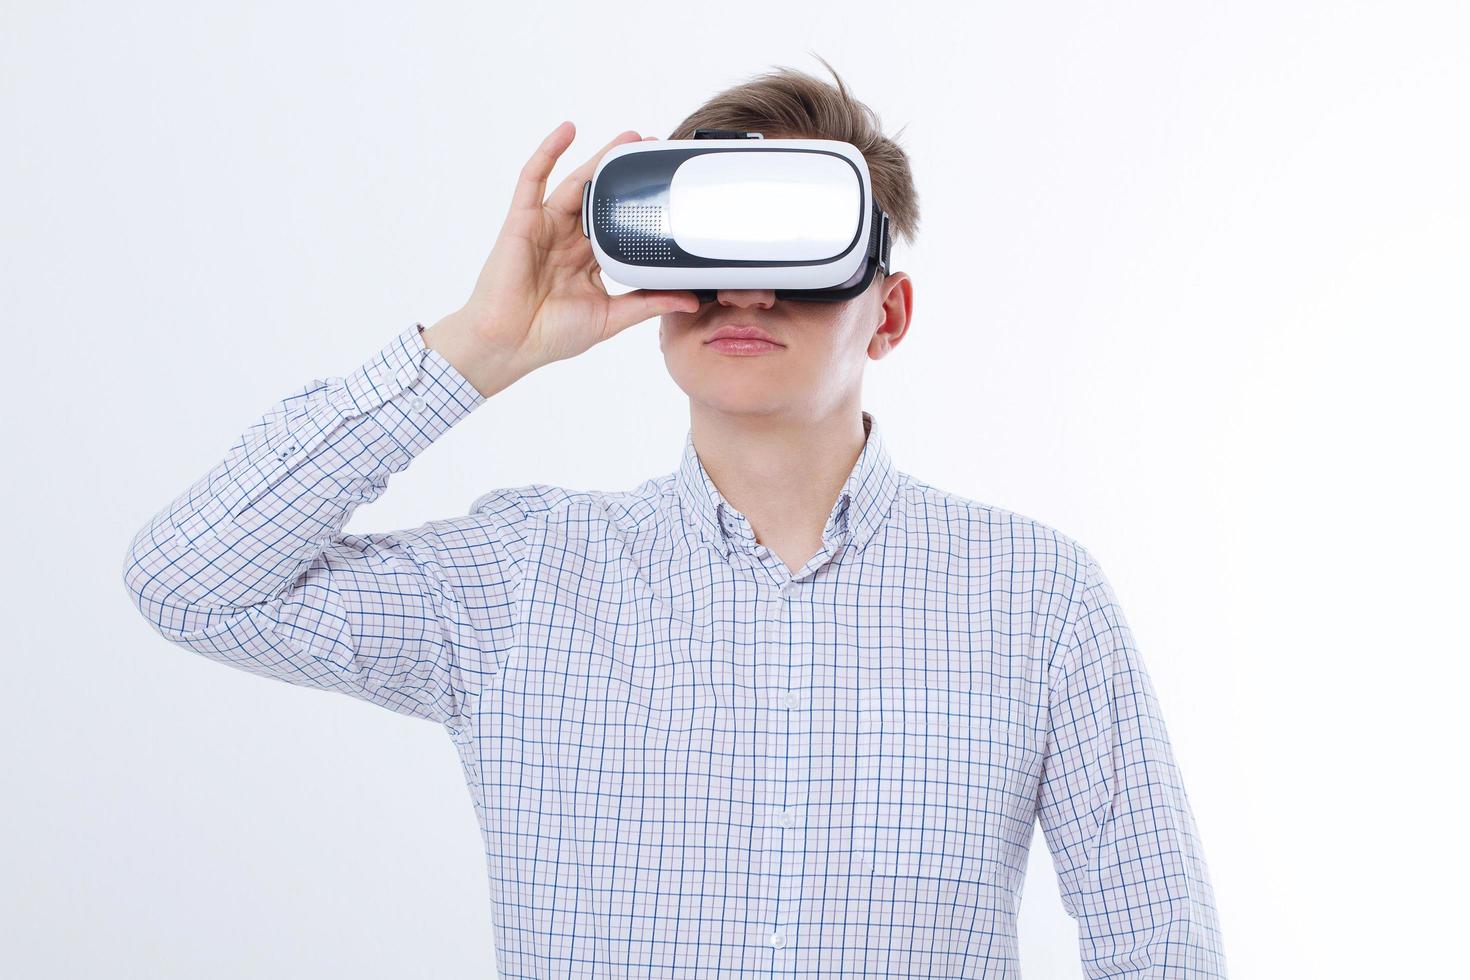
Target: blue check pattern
pixel 685 759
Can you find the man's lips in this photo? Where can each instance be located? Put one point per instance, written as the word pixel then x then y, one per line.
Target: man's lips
pixel 742 331
pixel 742 344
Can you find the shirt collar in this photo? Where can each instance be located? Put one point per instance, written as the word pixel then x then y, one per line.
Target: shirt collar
pixel 861 505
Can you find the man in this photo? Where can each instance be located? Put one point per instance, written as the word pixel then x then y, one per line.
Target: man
pixel 785 709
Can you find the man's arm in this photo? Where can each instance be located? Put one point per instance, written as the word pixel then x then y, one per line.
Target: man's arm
pixel 250 565
pixel 1114 811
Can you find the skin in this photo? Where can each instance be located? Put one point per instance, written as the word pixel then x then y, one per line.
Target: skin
pixel 778 432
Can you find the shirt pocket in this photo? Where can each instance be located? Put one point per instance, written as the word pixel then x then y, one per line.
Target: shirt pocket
pixel 947 782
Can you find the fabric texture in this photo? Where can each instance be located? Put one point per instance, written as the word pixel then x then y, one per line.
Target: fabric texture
pixel 685 759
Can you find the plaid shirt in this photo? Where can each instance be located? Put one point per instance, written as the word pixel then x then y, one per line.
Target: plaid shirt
pixel 685 759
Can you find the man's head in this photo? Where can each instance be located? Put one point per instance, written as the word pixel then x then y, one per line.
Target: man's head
pixel 824 346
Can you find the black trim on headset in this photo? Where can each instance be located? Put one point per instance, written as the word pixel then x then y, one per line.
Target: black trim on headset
pixel 726 134
pixel 879 254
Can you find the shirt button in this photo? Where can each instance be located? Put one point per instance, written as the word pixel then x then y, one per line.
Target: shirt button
pixel 778 939
pixel 787 589
pixel 286 450
pixel 787 818
pixel 416 403
pixel 793 699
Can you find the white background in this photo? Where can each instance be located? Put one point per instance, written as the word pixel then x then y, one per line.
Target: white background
pixel 1190 288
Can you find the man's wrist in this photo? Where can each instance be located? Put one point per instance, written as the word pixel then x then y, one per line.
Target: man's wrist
pixel 489 369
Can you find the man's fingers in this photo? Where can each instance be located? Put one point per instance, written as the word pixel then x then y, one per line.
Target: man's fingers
pixel 638 305
pixel 566 200
pixel 531 186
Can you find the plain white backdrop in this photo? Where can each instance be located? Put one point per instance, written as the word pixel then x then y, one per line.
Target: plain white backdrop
pixel 1190 287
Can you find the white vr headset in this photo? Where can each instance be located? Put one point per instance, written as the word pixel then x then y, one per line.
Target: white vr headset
pixel 733 210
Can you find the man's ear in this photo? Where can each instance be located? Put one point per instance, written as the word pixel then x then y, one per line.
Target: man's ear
pixel 895 307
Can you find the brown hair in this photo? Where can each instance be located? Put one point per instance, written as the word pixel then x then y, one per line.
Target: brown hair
pixel 785 103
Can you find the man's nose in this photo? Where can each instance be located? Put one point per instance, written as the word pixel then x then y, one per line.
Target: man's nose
pixel 761 298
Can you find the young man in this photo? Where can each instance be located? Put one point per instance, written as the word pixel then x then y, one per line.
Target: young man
pixel 783 710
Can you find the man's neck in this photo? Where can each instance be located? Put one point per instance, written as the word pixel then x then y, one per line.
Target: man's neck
pixel 784 476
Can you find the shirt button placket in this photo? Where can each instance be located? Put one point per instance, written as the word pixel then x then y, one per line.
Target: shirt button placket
pixel 787 793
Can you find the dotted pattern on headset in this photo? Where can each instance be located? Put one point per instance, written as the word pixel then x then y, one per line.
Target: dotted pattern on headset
pixel 640 229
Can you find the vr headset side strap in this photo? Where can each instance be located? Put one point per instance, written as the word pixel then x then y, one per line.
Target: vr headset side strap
pixel 885 246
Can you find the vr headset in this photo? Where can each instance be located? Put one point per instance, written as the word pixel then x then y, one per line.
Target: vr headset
pixel 733 210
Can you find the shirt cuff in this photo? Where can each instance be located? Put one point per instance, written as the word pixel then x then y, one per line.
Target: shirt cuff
pixel 415 393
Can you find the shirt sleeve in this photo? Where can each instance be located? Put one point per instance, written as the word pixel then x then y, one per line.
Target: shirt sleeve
pixel 1114 810
pixel 250 566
